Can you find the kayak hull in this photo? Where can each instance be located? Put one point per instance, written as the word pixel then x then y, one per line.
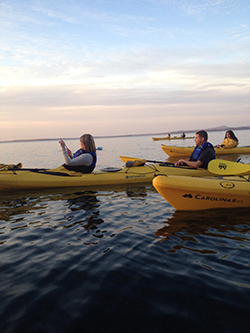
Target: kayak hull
pixel 187 151
pixel 37 179
pixel 201 193
pixel 173 138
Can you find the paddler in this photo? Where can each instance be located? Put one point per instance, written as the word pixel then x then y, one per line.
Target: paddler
pixel 230 141
pixel 84 159
pixel 202 154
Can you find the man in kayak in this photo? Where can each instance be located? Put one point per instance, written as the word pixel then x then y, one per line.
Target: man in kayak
pixel 203 152
pixel 84 159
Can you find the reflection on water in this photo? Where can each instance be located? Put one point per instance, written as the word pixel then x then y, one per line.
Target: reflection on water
pixel 221 221
pixel 64 208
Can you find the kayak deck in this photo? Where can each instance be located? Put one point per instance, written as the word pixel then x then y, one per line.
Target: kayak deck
pixel 36 179
pixel 187 151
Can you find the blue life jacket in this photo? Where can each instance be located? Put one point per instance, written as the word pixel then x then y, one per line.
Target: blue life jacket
pixel 199 149
pixel 82 168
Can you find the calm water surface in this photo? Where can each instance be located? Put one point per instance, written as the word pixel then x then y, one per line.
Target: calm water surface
pixel 119 259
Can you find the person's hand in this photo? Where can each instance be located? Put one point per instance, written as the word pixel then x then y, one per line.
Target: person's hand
pixel 68 151
pixel 62 143
pixel 180 162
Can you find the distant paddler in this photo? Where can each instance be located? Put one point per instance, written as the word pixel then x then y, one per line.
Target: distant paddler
pixel 230 141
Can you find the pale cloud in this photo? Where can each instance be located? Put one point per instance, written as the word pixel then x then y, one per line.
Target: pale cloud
pixel 127 119
pixel 197 7
pixel 119 71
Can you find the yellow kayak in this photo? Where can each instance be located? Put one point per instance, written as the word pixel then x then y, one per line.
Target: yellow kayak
pixel 173 138
pixel 187 151
pixel 199 193
pixel 16 179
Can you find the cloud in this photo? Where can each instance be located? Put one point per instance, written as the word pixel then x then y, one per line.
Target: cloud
pixel 118 70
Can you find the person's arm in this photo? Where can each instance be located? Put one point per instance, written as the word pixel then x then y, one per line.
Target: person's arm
pixel 84 159
pixel 66 157
pixel 65 148
pixel 192 164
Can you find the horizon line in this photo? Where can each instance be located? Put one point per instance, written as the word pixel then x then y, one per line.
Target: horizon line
pixel 214 129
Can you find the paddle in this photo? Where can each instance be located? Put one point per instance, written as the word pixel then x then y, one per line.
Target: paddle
pixel 140 161
pixel 133 159
pixel 227 168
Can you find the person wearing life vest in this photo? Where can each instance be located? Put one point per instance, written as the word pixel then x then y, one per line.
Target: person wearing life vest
pixel 230 141
pixel 84 159
pixel 202 154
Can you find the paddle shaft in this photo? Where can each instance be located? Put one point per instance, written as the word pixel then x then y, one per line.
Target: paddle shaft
pixel 134 159
pixel 153 161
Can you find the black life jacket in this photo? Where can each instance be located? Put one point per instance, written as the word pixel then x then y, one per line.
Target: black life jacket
pixel 82 168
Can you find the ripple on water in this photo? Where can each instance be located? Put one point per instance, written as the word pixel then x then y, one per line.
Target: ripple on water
pixel 122 260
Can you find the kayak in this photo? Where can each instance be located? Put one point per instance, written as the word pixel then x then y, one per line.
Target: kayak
pixel 173 138
pixel 187 151
pixel 15 179
pixel 200 193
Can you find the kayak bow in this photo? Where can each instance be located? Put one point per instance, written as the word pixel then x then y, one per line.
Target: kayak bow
pixel 200 193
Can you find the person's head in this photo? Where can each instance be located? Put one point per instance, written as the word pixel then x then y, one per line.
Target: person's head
pixel 230 135
pixel 200 137
pixel 87 142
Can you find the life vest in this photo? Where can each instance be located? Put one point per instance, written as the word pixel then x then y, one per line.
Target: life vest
pixel 199 149
pixel 82 168
pixel 229 143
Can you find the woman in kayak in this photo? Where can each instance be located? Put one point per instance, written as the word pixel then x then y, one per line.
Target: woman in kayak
pixel 84 159
pixel 230 141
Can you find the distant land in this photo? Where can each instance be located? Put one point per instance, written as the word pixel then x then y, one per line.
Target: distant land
pixel 213 129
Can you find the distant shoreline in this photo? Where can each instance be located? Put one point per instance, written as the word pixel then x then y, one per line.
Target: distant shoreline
pixel 216 129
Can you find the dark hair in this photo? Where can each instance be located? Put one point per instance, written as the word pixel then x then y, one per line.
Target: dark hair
pixel 89 142
pixel 232 135
pixel 202 134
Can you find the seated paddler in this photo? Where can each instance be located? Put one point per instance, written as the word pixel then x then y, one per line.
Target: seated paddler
pixel 202 154
pixel 230 141
pixel 84 159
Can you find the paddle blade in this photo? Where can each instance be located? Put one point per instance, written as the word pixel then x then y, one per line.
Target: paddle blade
pixel 134 161
pixel 126 159
pixel 227 168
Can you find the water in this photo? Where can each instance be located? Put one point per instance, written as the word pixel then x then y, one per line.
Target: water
pixel 120 258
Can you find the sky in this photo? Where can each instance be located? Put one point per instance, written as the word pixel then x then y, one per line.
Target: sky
pixel 110 67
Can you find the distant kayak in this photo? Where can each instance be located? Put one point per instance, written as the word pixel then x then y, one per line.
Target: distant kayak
pixel 200 193
pixel 173 138
pixel 187 151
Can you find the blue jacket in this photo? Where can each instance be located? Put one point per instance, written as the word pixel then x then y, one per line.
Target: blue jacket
pixel 199 149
